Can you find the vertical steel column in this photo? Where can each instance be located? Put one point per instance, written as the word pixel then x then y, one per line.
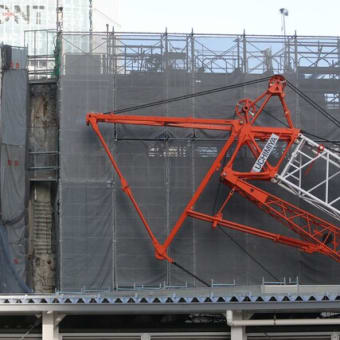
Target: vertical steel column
pixel 125 60
pixel 237 332
pixel 114 69
pixel 192 145
pixel 48 330
pixel 107 63
pixel 193 70
pixel 335 336
pixel 288 66
pixel 245 62
pixel 167 200
pixel 166 43
pixel 91 16
pixel 238 53
pixel 166 160
pixel 50 325
pixel 113 52
pixel 57 21
pixel 35 51
pixel 91 26
pixel 187 39
pixel 115 184
pixel 296 62
pixel 297 97
pixel 338 49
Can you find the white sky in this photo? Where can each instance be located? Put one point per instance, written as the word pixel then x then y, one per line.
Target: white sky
pixel 307 17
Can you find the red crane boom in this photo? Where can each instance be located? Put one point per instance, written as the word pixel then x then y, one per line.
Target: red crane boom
pixel 314 234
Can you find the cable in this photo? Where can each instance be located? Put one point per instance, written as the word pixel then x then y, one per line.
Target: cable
pixel 35 324
pixel 190 273
pixel 232 239
pixel 233 86
pixel 337 143
pixel 314 104
pixel 220 89
pixel 251 256
pixel 188 96
pixel 306 132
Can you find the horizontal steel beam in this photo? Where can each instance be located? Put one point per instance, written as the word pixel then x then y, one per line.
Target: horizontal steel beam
pixel 177 308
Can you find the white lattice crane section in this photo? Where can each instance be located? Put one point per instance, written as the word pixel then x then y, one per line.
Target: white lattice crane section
pixel 313 173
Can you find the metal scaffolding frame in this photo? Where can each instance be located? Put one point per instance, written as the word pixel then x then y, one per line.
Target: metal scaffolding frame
pixel 123 53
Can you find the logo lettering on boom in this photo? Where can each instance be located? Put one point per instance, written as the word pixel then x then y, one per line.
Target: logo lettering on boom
pixel 266 151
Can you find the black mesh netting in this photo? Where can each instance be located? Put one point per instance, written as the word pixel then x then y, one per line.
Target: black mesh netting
pixel 102 241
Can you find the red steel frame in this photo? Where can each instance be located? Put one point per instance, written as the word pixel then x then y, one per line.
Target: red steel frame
pixel 314 234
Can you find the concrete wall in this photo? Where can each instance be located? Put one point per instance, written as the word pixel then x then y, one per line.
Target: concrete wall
pixel 43 174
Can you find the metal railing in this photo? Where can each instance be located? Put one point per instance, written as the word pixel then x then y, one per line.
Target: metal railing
pixel 123 53
pixel 43 165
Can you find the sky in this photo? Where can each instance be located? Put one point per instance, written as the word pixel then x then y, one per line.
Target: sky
pixel 306 17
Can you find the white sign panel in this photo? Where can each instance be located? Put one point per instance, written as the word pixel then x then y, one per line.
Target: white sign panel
pixel 26 14
pixel 266 151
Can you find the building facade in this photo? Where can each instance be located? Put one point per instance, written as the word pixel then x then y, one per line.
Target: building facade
pixel 19 18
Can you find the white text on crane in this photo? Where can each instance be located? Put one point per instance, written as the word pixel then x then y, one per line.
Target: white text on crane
pixel 266 151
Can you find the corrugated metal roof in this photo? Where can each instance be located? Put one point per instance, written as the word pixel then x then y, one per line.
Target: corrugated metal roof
pixel 180 301
pixel 172 299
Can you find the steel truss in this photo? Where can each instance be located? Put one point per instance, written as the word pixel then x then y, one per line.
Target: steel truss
pixel 322 193
pixel 313 233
